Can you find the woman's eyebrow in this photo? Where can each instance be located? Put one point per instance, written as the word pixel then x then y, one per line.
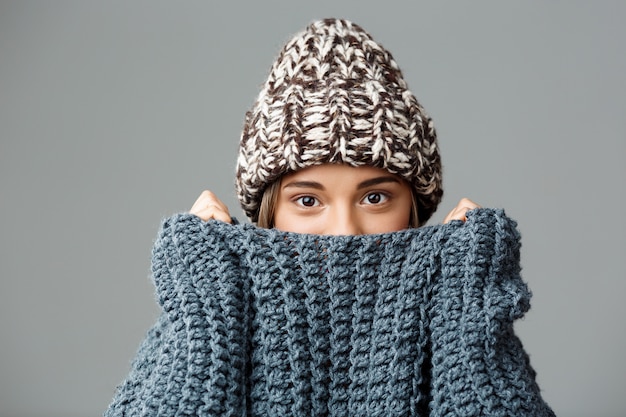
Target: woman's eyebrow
pixel 376 181
pixel 304 184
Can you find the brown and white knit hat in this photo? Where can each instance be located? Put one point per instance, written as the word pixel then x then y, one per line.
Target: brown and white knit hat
pixel 334 95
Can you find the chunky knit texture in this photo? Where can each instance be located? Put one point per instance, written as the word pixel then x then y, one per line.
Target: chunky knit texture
pixel 258 322
pixel 334 95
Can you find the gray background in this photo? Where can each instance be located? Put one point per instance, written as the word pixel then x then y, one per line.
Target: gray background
pixel 116 114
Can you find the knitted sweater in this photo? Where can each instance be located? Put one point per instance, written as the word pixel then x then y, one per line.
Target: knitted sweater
pixel 258 322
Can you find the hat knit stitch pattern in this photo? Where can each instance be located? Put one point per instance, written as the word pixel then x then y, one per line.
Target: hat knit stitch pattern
pixel 259 322
pixel 334 95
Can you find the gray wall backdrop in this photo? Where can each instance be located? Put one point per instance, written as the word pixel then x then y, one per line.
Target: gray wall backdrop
pixel 115 114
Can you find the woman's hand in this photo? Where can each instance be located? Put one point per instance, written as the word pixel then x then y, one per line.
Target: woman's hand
pixel 458 213
pixel 208 206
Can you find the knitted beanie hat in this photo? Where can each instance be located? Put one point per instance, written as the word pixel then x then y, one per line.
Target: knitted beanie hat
pixel 334 95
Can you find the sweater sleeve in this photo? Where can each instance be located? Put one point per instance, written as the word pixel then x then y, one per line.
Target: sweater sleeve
pixel 193 360
pixel 479 366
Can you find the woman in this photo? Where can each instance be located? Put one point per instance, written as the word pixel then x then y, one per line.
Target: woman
pixel 336 98
pixel 338 304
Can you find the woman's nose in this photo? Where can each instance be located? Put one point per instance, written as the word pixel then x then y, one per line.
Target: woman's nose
pixel 343 221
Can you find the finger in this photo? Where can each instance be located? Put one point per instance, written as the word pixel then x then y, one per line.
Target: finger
pixel 453 215
pixel 468 204
pixel 212 212
pixel 208 206
pixel 456 214
pixel 222 216
pixel 460 211
pixel 216 201
pixel 217 214
pixel 207 198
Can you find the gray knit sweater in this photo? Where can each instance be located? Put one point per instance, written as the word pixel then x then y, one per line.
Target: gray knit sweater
pixel 258 322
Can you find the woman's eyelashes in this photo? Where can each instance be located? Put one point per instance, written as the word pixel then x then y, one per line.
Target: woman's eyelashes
pixel 307 201
pixel 375 197
pixel 371 199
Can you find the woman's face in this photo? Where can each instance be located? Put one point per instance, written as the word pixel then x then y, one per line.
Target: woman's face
pixel 342 200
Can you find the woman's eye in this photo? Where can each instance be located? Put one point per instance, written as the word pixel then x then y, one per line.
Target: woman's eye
pixel 375 198
pixel 307 201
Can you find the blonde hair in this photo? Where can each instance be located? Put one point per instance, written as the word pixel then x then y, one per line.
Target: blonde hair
pixel 268 205
pixel 267 208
